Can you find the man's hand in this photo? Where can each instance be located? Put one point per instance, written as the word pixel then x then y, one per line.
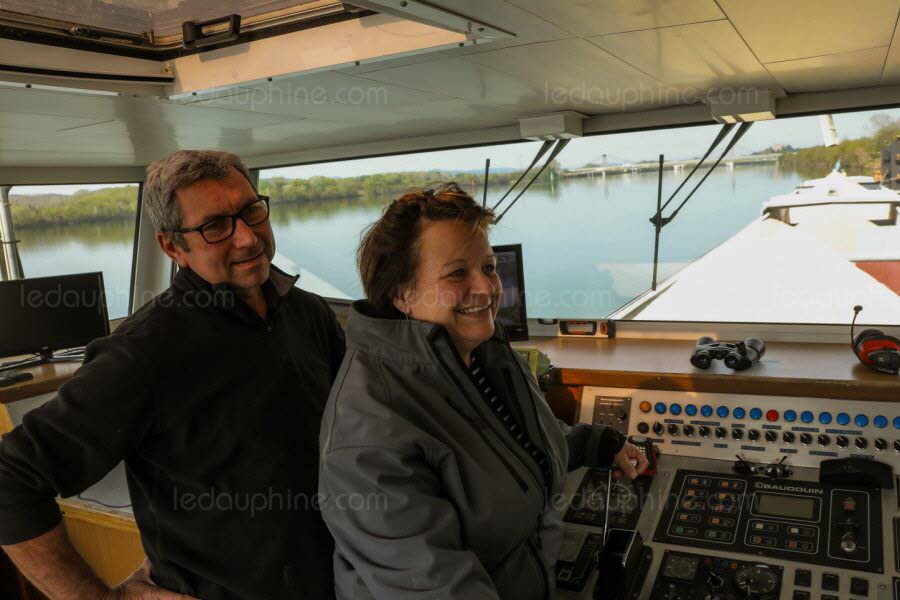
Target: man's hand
pixel 623 461
pixel 140 586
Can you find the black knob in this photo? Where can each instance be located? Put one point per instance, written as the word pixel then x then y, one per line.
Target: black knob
pixel 771 435
pixel 720 433
pixel 643 428
pixel 688 430
pixel 861 443
pixel 788 437
pixel 658 428
pixel 753 435
pixel 703 431
pixel 897 446
pixel 842 441
pixel 823 440
pixel 672 429
pixel 622 416
pixel 806 439
pixel 880 444
pixel 737 434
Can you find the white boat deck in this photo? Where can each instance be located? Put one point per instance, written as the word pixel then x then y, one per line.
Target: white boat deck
pixel 801 271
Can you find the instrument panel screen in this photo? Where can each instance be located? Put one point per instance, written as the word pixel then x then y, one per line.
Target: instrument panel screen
pixel 786 507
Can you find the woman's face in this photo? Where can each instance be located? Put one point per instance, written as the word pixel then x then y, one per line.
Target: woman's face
pixel 456 283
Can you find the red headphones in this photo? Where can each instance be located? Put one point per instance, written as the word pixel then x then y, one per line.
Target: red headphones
pixel 874 349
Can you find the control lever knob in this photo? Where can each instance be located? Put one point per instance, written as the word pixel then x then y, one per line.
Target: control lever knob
pixel 880 444
pixel 720 433
pixel 703 431
pixel 842 441
pixel 771 435
pixel 861 443
pixel 806 439
pixel 672 429
pixel 753 435
pixel 737 433
pixel 688 430
pixel 824 440
pixel 658 428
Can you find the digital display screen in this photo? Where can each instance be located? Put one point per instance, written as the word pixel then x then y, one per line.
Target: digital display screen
pixel 788 507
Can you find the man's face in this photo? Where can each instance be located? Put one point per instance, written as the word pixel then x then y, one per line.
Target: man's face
pixel 241 260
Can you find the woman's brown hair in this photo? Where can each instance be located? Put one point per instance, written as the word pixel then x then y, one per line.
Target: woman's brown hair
pixel 387 257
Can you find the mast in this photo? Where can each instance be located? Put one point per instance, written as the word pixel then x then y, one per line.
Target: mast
pixel 10 265
pixel 829 132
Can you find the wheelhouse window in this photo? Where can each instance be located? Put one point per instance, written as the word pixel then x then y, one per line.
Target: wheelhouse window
pixel 66 229
pixel 752 244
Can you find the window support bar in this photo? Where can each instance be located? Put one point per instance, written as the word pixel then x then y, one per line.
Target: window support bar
pixel 9 245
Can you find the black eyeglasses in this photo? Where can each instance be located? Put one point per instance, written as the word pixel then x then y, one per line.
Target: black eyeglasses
pixel 221 228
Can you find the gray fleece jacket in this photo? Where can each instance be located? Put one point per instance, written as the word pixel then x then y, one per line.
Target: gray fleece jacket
pixel 426 492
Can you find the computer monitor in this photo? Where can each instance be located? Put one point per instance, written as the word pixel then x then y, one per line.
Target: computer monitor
pixel 44 314
pixel 512 314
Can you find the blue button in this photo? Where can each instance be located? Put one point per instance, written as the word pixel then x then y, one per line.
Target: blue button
pixel 706 410
pixel 755 414
pixel 824 418
pixel 675 409
pixel 722 411
pixel 880 421
pixel 896 422
pixel 861 420
pixel 806 416
pixel 843 419
pixel 660 408
pixel 739 413
pixel 690 410
pixel 790 416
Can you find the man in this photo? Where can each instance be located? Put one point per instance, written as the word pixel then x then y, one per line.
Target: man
pixel 212 394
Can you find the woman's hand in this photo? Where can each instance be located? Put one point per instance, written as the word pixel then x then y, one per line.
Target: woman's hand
pixel 630 461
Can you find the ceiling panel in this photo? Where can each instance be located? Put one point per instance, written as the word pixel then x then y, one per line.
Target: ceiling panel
pixel 327 95
pixel 832 72
pixel 598 17
pixel 465 79
pixel 573 74
pixel 527 27
pixel 777 30
pixel 702 54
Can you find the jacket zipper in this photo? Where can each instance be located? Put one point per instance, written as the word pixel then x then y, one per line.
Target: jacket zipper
pixel 545 487
pixel 532 549
pixel 537 421
pixel 522 483
pixel 480 429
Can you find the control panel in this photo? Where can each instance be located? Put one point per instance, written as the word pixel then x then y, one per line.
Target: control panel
pixel 760 428
pixel 688 576
pixel 801 521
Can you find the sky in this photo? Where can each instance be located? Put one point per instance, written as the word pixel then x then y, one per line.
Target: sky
pixel 680 143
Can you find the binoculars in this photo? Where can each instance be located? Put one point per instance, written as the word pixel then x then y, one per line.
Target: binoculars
pixel 738 356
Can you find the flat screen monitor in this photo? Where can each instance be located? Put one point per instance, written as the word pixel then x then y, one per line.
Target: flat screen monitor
pixel 512 314
pixel 43 314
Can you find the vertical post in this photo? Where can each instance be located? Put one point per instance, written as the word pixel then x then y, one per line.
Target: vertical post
pixel 657 222
pixel 487 169
pixel 12 266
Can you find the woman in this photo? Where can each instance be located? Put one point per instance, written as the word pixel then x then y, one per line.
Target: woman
pixel 440 457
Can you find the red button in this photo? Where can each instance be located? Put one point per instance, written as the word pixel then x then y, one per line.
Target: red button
pixel 772 415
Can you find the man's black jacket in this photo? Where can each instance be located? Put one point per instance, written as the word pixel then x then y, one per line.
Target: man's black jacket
pixel 216 413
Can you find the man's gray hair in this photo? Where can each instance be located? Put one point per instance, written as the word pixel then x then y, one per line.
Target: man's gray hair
pixel 178 170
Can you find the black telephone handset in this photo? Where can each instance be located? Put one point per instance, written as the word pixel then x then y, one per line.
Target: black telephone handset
pixel 857 471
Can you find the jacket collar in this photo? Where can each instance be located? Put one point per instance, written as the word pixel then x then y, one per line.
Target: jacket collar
pixel 187 280
pixel 397 338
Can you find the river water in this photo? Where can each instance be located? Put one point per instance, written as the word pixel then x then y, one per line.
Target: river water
pixel 587 243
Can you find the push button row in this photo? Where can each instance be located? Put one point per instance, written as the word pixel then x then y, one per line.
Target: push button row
pixel 771 415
